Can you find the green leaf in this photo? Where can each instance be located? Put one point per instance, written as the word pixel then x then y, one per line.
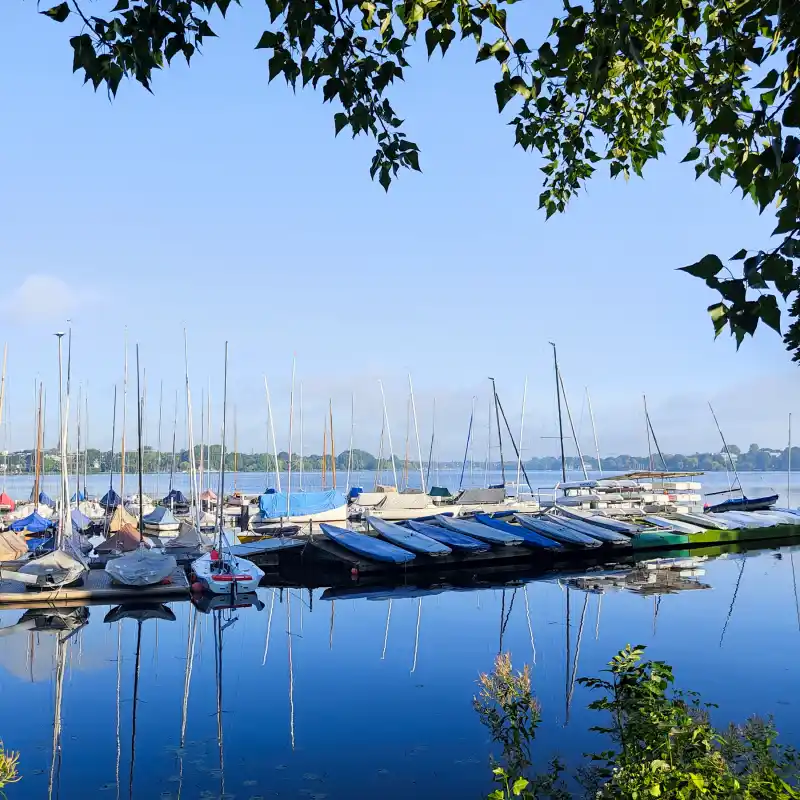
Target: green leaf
pixel 122 5
pixel 739 255
pixel 770 81
pixel 719 317
pixel 706 267
pixel 791 116
pixel 692 155
pixel 769 311
pixel 59 13
pixel 521 47
pixel 339 121
pixel 504 91
pixel 269 39
pixel 518 786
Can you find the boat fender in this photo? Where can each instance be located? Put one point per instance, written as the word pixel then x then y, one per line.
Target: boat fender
pixel 197 587
pixel 354 573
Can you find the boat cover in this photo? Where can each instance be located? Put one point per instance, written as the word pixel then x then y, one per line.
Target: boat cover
pixel 482 496
pixel 531 537
pixel 7 502
pixel 410 539
pixel 110 500
pixel 80 522
pixel 208 494
pixel 175 498
pixel 12 546
pixel 188 537
pixel 367 546
pixel 458 541
pixel 45 499
pixel 275 506
pixel 141 567
pixel 124 540
pixel 120 518
pixel 161 516
pixel 77 497
pixel 262 546
pixel 439 491
pixel 33 523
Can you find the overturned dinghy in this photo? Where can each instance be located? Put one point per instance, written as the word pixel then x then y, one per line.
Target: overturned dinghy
pixel 141 567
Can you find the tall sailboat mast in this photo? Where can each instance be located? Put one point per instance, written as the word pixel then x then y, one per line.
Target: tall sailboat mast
pixel 124 419
pixel 499 433
pixel 416 434
pixel 560 421
pixel 594 433
pixel 521 430
pixel 333 444
pixel 350 445
pixel 291 432
pixel 274 443
pixel 388 434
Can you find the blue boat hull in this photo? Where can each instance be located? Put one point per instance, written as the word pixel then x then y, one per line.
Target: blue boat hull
pixel 409 539
pixel 557 532
pixel 531 537
pixel 367 546
pixel 478 531
pixel 458 541
pixel 744 504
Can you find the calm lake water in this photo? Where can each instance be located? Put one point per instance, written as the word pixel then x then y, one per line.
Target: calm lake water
pixel 358 698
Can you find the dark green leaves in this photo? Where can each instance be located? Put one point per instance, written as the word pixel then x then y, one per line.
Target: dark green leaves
pixel 59 13
pixel 503 91
pixel 706 267
pixel 791 116
pixel 692 155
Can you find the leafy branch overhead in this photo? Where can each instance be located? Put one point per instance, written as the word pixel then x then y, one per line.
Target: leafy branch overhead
pixel 603 86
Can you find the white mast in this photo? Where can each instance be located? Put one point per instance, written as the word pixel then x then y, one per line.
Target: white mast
pixel 274 444
pixel 301 437
pixel 594 433
pixel 789 466
pixel 521 431
pixel 124 421
pixel 488 445
pixel 388 434
pixel 572 427
pixel 192 465
pixel 416 435
pixel 350 448
pixel 291 431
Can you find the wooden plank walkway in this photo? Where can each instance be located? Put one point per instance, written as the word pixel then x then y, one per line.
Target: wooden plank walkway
pixel 96 587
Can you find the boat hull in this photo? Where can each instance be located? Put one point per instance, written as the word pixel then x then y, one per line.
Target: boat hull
pixel 231 575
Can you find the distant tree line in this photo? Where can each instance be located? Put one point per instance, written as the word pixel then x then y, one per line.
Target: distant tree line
pixel 754 459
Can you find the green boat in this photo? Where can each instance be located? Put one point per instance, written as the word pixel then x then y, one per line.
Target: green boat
pixel 775 532
pixel 653 539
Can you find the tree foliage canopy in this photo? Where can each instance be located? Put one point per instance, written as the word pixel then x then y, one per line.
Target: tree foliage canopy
pixel 604 86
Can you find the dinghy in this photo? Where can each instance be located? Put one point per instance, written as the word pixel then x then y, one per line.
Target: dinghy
pixel 762 502
pixel 592 529
pixel 456 541
pixel 141 567
pixel 409 539
pixel 552 530
pixel 33 523
pixel 6 503
pixel 367 546
pixel 478 531
pixel 530 537
pixel 63 566
pixel 161 521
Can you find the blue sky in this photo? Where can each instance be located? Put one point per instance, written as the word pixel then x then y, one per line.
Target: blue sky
pixel 226 205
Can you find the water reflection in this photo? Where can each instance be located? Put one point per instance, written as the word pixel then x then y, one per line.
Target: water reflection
pixel 364 691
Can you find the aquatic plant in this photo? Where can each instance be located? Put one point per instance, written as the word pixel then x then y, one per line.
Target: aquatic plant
pixel 8 768
pixel 663 743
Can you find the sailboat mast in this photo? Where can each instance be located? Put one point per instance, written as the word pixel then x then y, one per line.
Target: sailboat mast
pixel 594 433
pixel 124 419
pixel 333 444
pixel 222 448
pixel 235 446
pixel 647 433
pixel 388 434
pixel 466 449
pixel 158 454
pixel 174 433
pixel 139 443
pixel 789 466
pixel 324 448
pixel 350 445
pixel 194 494
pixel 725 445
pixel 572 428
pixel 301 438
pixel 86 443
pixel 521 431
pixel 274 443
pixel 499 433
pixel 78 447
pixel 433 436
pixel 62 448
pixel 291 440
pixel 560 420
pixel 408 433
pixel 38 451
pixel 416 434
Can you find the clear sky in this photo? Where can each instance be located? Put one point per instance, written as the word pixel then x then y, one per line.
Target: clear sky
pixel 226 205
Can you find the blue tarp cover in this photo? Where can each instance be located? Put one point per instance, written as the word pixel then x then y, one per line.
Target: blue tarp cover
pixel 33 523
pixel 45 499
pixel 161 516
pixel 80 522
pixel 110 499
pixel 176 497
pixel 79 496
pixel 274 506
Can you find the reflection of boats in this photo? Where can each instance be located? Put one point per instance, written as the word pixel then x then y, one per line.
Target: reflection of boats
pixel 206 603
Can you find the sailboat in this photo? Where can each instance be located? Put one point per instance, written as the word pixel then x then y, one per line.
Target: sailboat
pixel 65 564
pixel 220 571
pixel 142 566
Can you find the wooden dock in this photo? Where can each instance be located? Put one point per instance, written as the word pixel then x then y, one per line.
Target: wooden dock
pixel 96 587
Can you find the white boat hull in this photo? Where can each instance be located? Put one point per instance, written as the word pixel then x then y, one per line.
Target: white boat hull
pixel 226 576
